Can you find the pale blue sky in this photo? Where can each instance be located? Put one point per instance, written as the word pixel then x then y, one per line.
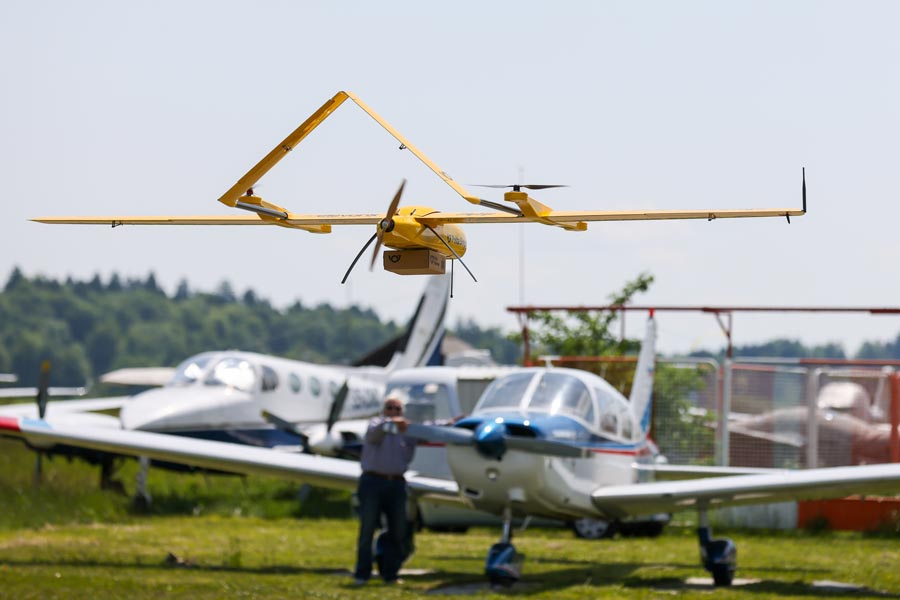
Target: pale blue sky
pixel 158 107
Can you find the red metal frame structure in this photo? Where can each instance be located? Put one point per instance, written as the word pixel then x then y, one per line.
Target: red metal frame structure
pixel 718 312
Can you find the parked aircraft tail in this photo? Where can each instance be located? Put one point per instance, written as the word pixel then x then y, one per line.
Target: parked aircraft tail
pixel 420 344
pixel 642 388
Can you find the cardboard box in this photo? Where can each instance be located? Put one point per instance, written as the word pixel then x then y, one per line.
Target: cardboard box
pixel 414 262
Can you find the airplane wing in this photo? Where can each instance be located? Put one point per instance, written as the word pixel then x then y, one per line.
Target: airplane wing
pixel 61 407
pixel 25 392
pixel 140 376
pixel 234 458
pixel 568 219
pixel 669 496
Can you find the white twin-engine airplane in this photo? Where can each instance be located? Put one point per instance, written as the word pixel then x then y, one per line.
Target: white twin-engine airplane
pixel 257 399
pixel 555 443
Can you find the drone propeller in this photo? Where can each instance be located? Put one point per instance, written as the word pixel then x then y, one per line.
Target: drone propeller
pixel 385 225
pixel 518 186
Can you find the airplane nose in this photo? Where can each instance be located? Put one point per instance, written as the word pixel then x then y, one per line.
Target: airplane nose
pixel 490 439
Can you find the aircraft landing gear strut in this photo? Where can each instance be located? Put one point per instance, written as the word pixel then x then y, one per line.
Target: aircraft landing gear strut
pixel 503 565
pixel 719 557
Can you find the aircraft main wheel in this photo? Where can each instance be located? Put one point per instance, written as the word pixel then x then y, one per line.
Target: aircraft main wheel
pixel 594 529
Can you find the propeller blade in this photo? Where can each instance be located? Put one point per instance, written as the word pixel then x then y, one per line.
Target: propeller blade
pixel 549 447
pixel 441 435
pixel 517 186
pixel 387 223
pixel 43 388
pixel 450 248
pixel 358 255
pixel 285 426
pixel 337 405
pixel 40 398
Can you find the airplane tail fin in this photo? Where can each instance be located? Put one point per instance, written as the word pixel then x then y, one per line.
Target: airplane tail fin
pixel 642 389
pixel 420 344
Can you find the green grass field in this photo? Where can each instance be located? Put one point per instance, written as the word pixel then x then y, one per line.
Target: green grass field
pixel 215 537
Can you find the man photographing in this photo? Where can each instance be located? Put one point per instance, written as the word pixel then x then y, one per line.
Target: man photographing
pixel 386 454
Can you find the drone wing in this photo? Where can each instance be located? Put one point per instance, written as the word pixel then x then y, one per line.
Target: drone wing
pixel 311 223
pixel 577 219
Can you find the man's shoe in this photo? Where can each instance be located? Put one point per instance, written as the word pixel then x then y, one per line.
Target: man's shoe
pixel 359 582
pixel 397 581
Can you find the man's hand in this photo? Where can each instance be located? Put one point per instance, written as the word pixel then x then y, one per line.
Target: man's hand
pixel 401 423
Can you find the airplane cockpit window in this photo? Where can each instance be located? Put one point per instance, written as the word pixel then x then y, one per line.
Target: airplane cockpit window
pixel 506 392
pixel 269 379
pixel 424 401
pixel 562 394
pixel 232 372
pixel 627 427
pixel 190 370
pixel 294 381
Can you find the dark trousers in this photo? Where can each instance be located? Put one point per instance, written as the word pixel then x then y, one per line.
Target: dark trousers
pixel 377 497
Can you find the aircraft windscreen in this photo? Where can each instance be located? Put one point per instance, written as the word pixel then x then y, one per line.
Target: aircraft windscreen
pixel 190 370
pixel 506 392
pixel 559 393
pixel 232 372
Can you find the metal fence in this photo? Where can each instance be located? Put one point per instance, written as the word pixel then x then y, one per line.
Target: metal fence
pixel 765 413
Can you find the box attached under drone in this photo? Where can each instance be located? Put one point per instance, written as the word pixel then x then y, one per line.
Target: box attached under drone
pixel 421 261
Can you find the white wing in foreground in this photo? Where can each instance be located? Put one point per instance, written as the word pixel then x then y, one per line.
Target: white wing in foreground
pixel 670 496
pixel 234 458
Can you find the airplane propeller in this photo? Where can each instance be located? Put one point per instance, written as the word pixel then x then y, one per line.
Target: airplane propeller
pixel 387 223
pixel 337 405
pixel 41 398
pixel 317 441
pixel 384 226
pixel 492 439
pixel 516 187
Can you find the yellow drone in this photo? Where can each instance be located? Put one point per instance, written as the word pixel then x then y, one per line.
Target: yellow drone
pixel 421 238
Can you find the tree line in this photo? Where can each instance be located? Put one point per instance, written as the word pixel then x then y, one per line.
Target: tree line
pixel 87 328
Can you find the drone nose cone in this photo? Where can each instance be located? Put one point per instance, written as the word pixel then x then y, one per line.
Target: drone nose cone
pixel 490 439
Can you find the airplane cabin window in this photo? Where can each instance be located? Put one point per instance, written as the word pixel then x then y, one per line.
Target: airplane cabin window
pixel 627 427
pixel 294 381
pixel 609 422
pixel 269 379
pixel 232 372
pixel 190 370
pixel 506 392
pixel 315 386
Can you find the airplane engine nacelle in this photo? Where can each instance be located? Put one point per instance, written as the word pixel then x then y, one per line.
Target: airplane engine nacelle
pixel 489 439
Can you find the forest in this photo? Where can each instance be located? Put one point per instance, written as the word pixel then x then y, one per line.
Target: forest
pixel 87 328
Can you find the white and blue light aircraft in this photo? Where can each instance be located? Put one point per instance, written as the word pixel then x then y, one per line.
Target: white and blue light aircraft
pixel 554 443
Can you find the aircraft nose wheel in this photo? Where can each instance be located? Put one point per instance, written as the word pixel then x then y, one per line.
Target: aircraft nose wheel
pixel 503 566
